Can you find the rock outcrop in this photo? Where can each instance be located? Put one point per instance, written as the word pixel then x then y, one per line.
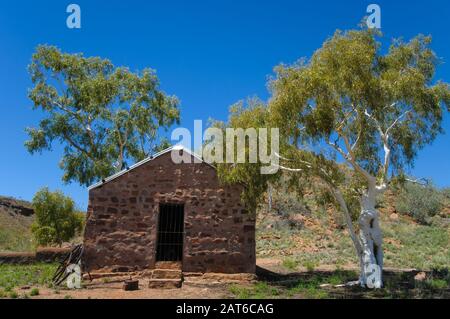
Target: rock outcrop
pixel 16 207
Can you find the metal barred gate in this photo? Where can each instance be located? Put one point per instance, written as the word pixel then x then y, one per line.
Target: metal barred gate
pixel 170 232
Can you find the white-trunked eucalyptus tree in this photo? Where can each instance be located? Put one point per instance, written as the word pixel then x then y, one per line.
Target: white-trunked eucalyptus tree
pixel 365 115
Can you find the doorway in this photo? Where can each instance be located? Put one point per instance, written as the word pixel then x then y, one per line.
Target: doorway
pixel 170 232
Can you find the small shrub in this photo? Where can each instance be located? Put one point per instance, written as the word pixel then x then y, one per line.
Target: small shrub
pixel 56 220
pixel 239 292
pixel 437 284
pixel 419 202
pixel 13 295
pixel 289 207
pixel 446 192
pixel 2 293
pixel 290 263
pixel 67 297
pixel 309 265
pixel 34 292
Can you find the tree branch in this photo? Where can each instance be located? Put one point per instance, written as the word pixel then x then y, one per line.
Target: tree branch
pixel 77 116
pixel 397 121
pixel 308 164
pixel 377 124
pixel 75 145
pixel 295 170
pixel 420 181
pixel 350 158
pixel 385 139
pixel 340 199
pixel 65 109
pixel 356 141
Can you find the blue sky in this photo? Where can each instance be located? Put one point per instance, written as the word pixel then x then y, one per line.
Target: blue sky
pixel 208 53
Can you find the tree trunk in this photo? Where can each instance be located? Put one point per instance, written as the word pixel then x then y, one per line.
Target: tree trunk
pixel 269 197
pixel 371 258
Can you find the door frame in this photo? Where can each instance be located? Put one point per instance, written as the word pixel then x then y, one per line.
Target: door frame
pixel 171 203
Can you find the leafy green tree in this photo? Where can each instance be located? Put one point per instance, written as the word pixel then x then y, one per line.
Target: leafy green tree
pixel 56 220
pixel 355 118
pixel 369 111
pixel 101 114
pixel 253 114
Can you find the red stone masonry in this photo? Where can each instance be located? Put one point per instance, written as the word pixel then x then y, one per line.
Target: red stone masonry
pixel 122 219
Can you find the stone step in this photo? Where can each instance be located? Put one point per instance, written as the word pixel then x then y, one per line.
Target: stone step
pixel 166 274
pixel 175 265
pixel 164 283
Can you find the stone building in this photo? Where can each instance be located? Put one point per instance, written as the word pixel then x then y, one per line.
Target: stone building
pixel 159 211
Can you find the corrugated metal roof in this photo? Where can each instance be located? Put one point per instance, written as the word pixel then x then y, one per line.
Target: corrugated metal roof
pixel 148 159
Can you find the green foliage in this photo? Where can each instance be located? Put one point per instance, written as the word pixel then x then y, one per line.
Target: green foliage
pixel 290 263
pixel 349 90
pixel 310 287
pixel 13 295
pixel 309 265
pixel 56 220
pixel 419 247
pixel 420 202
pixel 437 280
pixel 260 290
pixel 446 193
pixel 34 292
pixel 102 114
pixel 247 174
pixel 349 114
pixel 438 284
pixel 363 114
pixel 20 275
pixel 289 206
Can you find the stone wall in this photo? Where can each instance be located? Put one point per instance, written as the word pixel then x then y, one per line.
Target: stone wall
pixel 121 228
pixel 42 255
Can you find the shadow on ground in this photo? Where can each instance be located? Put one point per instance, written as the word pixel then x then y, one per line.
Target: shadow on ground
pixel 328 284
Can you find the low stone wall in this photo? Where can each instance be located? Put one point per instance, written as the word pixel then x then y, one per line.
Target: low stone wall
pixel 42 255
pixel 17 258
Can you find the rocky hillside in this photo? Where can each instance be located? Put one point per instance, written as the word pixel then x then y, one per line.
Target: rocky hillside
pixel 299 233
pixel 16 217
pixel 15 207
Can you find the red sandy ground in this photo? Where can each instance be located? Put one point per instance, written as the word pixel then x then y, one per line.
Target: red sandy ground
pixel 99 289
pixel 114 291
